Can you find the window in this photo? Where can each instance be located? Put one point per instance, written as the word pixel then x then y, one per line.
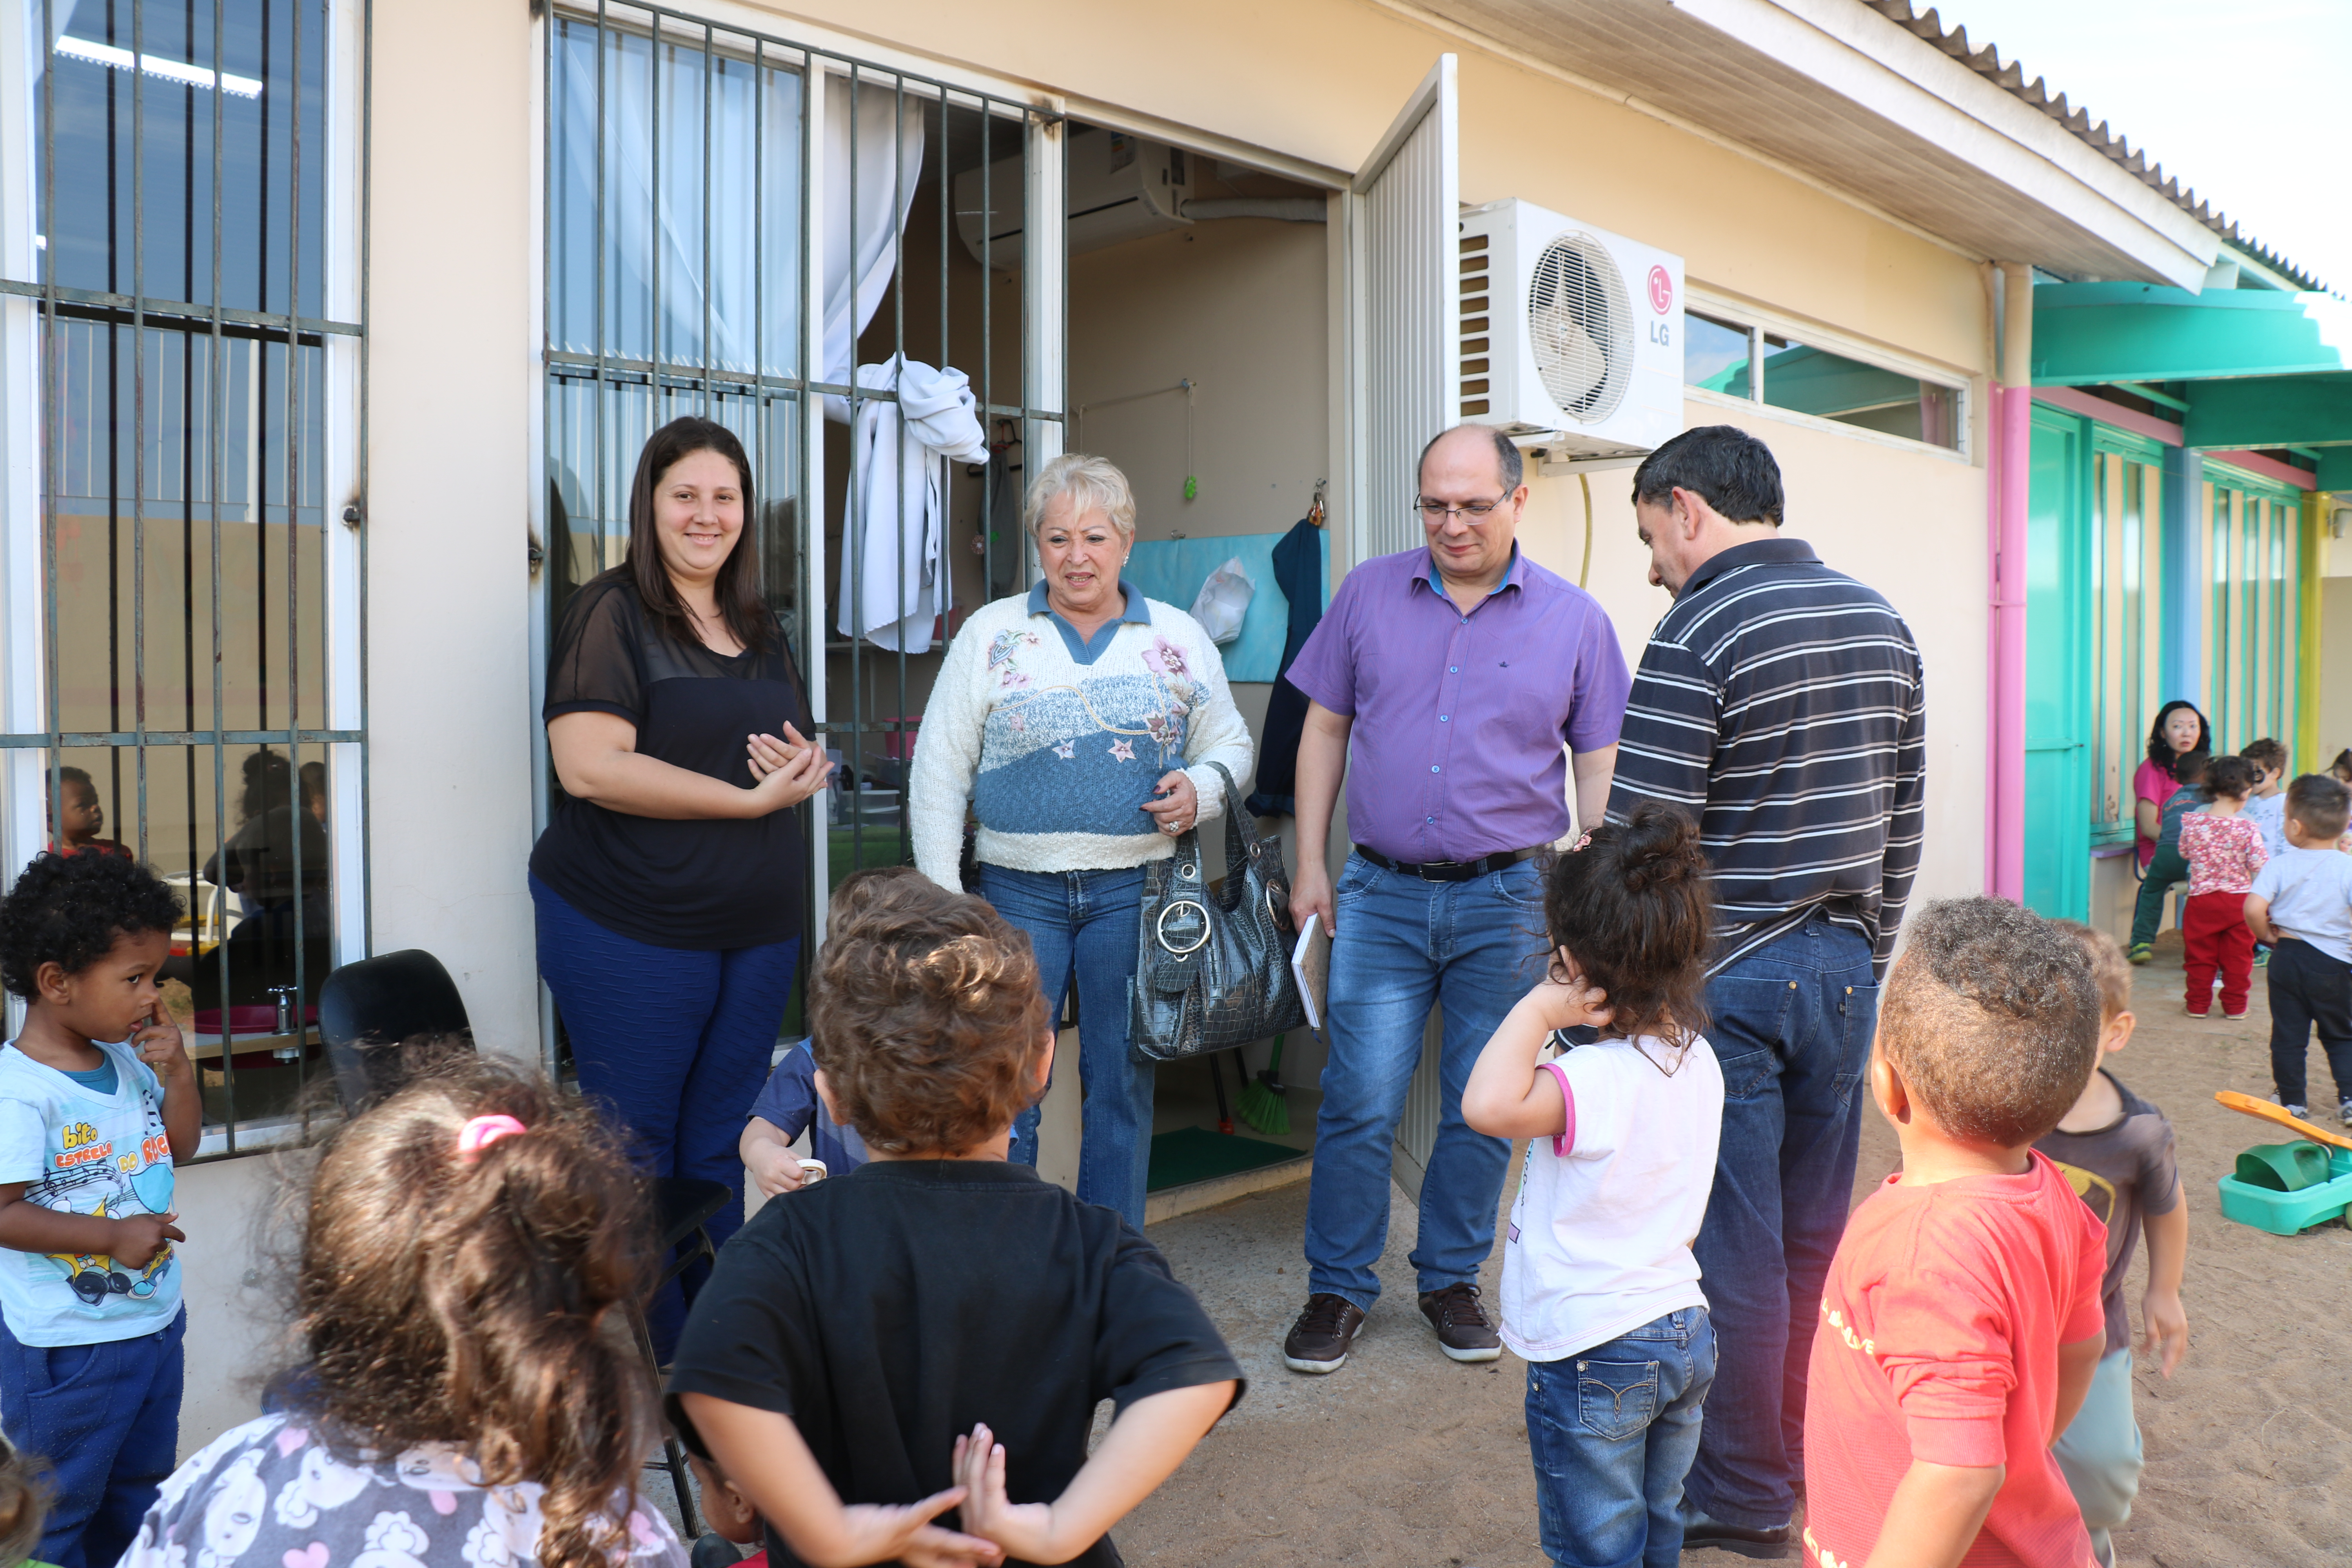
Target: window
pixel 2126 574
pixel 2249 532
pixel 191 322
pixel 1753 364
pixel 1715 354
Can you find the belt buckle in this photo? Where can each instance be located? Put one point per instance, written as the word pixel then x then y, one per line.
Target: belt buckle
pixel 1427 867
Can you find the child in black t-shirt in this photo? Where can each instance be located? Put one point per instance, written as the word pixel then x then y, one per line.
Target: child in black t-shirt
pixel 935 1326
pixel 2117 1151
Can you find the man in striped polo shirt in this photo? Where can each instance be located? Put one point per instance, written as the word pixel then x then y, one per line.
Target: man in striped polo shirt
pixel 1781 704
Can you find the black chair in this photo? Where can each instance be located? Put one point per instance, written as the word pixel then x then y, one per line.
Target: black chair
pixel 368 1008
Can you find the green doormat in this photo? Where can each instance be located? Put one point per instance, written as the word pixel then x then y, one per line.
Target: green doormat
pixel 1201 1154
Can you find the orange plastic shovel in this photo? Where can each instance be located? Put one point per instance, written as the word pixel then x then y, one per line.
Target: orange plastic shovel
pixel 2278 1114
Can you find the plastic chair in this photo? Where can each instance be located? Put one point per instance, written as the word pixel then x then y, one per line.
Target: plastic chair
pixel 368 1008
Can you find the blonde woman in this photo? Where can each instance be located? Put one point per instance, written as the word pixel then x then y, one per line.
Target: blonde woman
pixel 1078 722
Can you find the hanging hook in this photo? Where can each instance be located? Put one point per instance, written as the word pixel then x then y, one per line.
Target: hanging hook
pixel 1315 510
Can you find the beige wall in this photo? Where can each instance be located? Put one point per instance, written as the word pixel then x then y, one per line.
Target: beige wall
pixel 1236 306
pixel 2335 661
pixel 1321 80
pixel 236 1304
pixel 452 380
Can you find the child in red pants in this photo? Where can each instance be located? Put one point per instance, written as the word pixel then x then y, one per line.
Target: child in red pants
pixel 2224 849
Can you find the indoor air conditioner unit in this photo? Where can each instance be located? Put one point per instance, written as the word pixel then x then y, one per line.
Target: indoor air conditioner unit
pixel 1572 336
pixel 1120 188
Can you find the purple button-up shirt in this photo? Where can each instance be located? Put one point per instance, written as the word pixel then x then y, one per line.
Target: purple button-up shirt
pixel 1460 719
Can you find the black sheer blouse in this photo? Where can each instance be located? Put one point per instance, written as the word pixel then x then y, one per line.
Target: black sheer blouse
pixel 700 884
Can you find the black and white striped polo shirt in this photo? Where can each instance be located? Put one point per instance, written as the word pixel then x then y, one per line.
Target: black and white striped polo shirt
pixel 1783 703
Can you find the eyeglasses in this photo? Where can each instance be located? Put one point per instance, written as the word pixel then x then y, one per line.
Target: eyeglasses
pixel 1438 511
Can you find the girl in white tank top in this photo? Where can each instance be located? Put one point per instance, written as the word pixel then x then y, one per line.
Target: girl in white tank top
pixel 1600 1293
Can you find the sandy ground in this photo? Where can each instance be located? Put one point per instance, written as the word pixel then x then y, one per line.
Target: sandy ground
pixel 1404 1457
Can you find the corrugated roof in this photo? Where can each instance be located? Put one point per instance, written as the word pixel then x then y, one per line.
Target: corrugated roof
pixel 1986 62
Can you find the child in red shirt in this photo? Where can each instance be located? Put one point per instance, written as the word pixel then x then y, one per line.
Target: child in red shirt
pixel 2224 849
pixel 1961 1321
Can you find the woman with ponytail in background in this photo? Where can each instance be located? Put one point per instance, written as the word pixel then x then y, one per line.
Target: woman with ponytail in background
pixel 463 1395
pixel 1600 1293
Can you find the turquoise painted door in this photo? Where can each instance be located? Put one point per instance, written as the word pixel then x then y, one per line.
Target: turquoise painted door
pixel 2058 710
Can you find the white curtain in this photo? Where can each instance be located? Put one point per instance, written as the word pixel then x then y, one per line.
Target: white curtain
pixel 734 262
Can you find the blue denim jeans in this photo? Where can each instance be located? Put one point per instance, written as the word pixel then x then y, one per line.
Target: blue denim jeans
pixel 1083 926
pixel 1791 1024
pixel 106 1418
pixel 1612 1430
pixel 1474 948
pixel 675 1043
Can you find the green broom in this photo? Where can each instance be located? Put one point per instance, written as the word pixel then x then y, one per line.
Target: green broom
pixel 1262 1101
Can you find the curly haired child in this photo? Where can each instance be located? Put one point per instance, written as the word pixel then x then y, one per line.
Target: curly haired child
pixel 1961 1322
pixel 462 1397
pixel 98 1100
pixel 936 1328
pixel 1600 1293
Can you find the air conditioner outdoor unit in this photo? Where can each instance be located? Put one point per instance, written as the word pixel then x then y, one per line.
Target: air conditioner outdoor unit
pixel 1120 187
pixel 1572 336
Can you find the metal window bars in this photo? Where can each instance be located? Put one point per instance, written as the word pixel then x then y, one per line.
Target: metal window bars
pixel 192 321
pixel 733 223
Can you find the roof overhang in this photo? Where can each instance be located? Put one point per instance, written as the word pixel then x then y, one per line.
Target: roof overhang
pixel 2089 334
pixel 1843 96
pixel 2256 368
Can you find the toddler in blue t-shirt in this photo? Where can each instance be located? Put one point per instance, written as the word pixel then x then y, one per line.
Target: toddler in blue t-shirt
pixel 98 1099
pixel 787 1108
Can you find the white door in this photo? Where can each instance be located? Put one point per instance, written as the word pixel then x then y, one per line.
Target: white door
pixel 1403 341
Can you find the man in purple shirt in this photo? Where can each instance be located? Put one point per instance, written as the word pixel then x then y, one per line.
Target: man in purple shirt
pixel 1466 677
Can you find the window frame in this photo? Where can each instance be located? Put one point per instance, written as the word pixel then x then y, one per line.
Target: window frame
pixel 1760 320
pixel 30 738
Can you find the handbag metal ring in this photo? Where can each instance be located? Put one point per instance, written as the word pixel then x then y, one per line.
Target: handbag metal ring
pixel 1160 927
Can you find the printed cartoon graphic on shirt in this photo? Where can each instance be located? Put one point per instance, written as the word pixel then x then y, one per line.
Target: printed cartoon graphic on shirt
pixel 425 1508
pixel 233 1514
pixel 89 1175
pixel 2090 1187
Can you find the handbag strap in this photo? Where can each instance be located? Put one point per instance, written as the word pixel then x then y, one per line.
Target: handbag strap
pixel 1241 830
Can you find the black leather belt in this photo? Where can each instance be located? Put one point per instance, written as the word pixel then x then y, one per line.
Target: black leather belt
pixel 1449 870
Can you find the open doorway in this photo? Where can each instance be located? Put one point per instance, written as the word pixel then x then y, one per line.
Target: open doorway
pixel 1200 364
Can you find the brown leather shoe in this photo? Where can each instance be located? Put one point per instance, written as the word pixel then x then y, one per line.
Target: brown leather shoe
pixel 1464 1332
pixel 1320 1341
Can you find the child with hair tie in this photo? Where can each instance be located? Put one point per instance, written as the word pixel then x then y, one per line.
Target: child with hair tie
pixel 1600 1293
pixel 463 1399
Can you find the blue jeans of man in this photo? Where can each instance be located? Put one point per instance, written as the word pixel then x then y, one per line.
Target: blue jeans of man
pixel 1791 1024
pixel 106 1418
pixel 1473 948
pixel 675 1043
pixel 1082 927
pixel 1612 1430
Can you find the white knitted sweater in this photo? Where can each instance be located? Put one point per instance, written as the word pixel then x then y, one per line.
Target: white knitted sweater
pixel 1058 756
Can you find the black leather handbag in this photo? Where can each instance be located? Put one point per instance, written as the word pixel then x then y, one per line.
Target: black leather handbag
pixel 1213 969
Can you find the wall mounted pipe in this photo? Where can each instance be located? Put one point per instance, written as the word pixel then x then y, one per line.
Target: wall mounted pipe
pixel 2012 480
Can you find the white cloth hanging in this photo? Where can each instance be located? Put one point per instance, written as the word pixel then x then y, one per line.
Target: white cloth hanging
pixel 896 578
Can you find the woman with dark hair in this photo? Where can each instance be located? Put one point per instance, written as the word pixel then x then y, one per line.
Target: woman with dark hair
pixel 2180 731
pixel 669 881
pixel 2180 728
